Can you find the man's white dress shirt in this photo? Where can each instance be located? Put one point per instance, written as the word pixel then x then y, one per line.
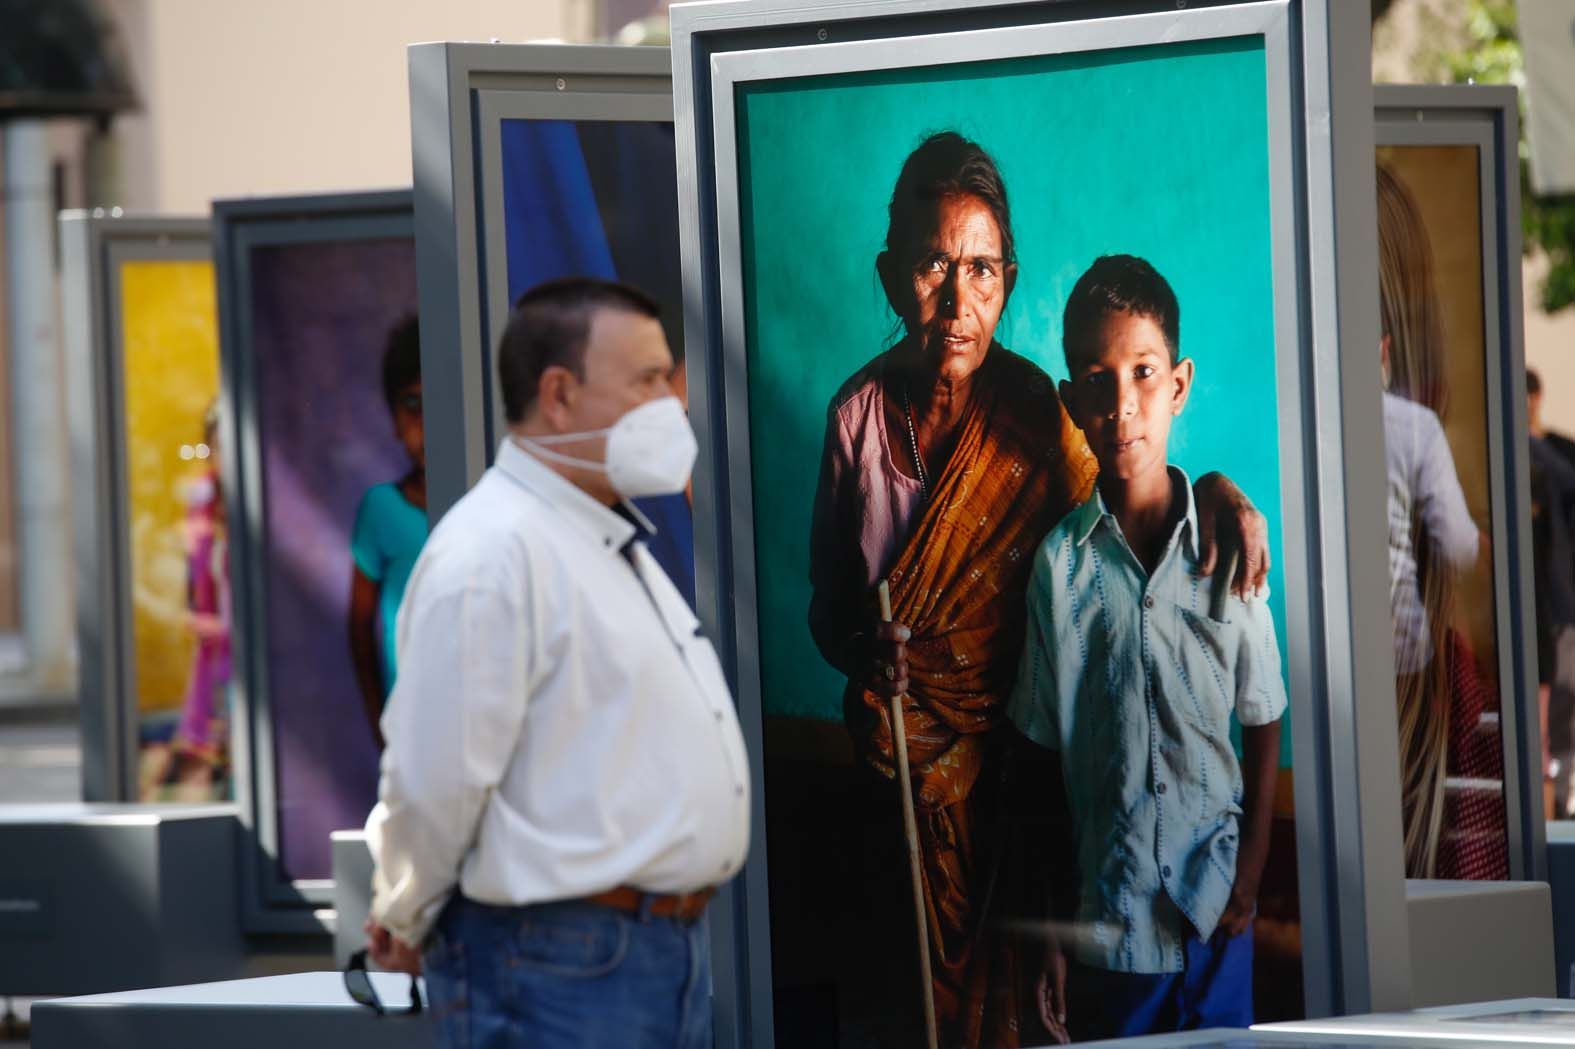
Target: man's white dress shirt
pixel 559 726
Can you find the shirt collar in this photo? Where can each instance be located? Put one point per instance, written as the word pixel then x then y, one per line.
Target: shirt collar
pixel 1094 511
pixel 606 526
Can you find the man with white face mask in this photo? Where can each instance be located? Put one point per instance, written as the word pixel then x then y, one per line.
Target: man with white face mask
pixel 565 782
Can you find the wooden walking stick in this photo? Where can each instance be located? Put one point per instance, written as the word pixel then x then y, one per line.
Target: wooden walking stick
pixel 910 826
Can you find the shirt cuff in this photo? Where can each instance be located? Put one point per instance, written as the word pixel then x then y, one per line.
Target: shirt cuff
pixel 412 929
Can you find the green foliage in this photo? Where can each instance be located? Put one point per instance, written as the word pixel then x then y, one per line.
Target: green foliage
pixel 1485 49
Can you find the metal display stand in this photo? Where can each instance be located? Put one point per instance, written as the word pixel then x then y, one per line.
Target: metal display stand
pixel 93 248
pixel 1320 107
pixel 1486 119
pixel 352 892
pixel 1265 1038
pixel 459 96
pixel 1561 881
pixel 1538 1021
pixel 270 902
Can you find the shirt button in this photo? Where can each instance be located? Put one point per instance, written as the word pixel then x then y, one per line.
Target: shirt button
pixel 738 790
pixel 718 714
pixel 1161 788
pixel 1164 872
pixel 1148 602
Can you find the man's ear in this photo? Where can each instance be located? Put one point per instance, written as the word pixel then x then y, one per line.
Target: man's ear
pixel 1181 384
pixel 556 393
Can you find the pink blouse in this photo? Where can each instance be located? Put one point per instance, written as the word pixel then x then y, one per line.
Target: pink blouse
pixel 865 508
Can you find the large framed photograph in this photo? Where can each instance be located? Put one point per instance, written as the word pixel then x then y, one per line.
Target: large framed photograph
pixel 965 284
pixel 1469 625
pixel 142 363
pixel 317 301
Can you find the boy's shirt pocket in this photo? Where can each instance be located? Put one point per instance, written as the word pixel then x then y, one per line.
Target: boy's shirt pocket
pixel 1204 652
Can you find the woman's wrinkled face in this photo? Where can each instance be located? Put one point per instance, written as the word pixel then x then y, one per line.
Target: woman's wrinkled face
pixel 960 283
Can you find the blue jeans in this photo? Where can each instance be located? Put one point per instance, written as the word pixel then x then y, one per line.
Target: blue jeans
pixel 567 975
pixel 1213 990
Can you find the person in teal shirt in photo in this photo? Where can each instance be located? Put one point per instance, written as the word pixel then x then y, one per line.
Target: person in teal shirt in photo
pixel 390 529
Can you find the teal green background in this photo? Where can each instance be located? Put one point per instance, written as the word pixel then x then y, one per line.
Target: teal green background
pixel 1158 151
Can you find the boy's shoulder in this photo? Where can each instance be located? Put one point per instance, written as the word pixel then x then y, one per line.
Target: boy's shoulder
pixel 1063 545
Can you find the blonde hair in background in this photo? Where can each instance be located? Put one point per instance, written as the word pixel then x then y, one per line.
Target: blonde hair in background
pixel 1408 306
pixel 1408 299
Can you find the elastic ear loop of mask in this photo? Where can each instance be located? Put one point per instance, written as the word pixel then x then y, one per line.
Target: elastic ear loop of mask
pixel 538 446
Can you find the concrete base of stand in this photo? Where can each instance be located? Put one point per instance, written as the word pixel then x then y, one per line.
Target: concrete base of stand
pixel 1476 941
pixel 352 891
pixel 1561 877
pixel 100 898
pixel 301 1009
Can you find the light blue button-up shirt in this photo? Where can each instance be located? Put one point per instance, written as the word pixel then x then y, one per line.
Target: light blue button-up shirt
pixel 1133 682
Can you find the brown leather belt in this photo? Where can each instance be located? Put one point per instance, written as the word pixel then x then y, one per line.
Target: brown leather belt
pixel 682 907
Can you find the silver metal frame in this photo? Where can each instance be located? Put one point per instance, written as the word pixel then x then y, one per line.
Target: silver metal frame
pixel 93 248
pixel 1487 118
pixel 1265 1037
pixel 459 94
pixel 1320 104
pixel 269 903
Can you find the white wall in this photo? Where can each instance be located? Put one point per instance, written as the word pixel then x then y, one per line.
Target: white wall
pixel 290 96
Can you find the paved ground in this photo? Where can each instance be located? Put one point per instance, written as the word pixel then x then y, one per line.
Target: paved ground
pixel 40 759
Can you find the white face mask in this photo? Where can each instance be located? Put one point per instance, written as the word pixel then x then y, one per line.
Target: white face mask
pixel 650 450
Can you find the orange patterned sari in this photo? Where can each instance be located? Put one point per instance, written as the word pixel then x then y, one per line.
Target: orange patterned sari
pixel 960 585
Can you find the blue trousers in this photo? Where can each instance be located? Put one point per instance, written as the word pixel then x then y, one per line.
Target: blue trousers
pixel 566 976
pixel 1214 989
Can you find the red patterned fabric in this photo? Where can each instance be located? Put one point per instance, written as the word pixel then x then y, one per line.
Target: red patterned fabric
pixel 1475 844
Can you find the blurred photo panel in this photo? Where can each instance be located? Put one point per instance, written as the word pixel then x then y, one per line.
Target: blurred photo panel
pixel 599 198
pixel 1432 360
pixel 339 414
pixel 180 600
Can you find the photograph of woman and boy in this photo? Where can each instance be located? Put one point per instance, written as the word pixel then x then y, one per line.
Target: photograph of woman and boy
pixel 947 461
pixel 1082 637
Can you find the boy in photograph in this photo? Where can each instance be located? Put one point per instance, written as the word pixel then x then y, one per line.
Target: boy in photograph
pixel 390 529
pixel 1132 678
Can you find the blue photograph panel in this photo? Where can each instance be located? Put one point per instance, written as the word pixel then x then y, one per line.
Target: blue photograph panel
pixel 600 199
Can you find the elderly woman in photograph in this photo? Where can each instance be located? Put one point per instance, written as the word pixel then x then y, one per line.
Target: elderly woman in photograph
pixel 947 459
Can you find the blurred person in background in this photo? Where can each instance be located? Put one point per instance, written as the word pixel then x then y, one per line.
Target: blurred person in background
pixel 1553 557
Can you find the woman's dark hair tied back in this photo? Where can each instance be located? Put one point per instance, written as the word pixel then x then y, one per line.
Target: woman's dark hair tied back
pixel 945 164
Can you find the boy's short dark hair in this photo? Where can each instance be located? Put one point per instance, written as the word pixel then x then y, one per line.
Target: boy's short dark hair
pixel 549 326
pixel 1533 382
pixel 1119 284
pixel 401 358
